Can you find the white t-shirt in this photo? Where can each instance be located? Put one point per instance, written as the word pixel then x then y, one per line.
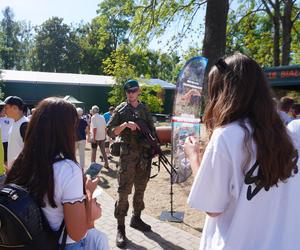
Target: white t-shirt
pixel 15 141
pixel 270 220
pixel 285 117
pixel 98 122
pixel 5 124
pixel 294 129
pixel 68 187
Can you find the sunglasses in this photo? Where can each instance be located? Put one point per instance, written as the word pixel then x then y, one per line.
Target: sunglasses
pixel 130 91
pixel 222 65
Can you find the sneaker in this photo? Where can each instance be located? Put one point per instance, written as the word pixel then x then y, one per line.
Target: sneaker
pixel 137 223
pixel 106 166
pixel 110 157
pixel 121 239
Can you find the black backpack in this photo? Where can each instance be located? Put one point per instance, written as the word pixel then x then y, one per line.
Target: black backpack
pixel 23 224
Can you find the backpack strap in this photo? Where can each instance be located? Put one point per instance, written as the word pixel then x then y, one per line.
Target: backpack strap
pixel 63 229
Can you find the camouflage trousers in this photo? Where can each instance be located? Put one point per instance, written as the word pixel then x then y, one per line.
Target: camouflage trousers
pixel 134 170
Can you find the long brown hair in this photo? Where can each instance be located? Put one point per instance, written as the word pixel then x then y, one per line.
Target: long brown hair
pixel 240 92
pixel 50 133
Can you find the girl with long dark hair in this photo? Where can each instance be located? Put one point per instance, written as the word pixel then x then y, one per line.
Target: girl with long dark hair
pixel 47 168
pixel 248 181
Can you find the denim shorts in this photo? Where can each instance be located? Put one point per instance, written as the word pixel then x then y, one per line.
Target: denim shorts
pixel 94 240
pixel 80 245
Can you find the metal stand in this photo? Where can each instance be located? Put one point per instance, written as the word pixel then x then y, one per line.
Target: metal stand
pixel 171 215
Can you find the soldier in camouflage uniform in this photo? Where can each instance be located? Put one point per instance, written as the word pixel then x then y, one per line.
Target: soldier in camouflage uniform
pixel 135 158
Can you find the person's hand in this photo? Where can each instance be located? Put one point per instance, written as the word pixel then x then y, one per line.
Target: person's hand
pixel 191 148
pixel 90 185
pixel 132 125
pixel 192 152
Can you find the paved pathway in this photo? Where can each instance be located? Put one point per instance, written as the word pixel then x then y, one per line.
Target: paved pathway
pixel 163 235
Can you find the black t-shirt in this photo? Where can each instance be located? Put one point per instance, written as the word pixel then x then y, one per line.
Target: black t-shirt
pixel 82 124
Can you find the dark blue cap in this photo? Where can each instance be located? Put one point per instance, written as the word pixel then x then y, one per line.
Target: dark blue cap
pixel 131 84
pixel 15 100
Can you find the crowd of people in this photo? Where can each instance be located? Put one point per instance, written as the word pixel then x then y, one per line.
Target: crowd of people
pixel 246 180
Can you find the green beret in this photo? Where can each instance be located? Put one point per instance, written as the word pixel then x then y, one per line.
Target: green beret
pixel 131 84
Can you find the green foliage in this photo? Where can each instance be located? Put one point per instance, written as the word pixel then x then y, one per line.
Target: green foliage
pixel 152 96
pixel 91 54
pixel 114 18
pixel 250 32
pixel 157 16
pixel 295 46
pixel 118 65
pixel 2 94
pixel 9 43
pixel 26 47
pixel 153 64
pixel 56 47
pixel 104 35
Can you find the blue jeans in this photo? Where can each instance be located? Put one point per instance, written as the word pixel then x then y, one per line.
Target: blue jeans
pixel 94 240
pixel 80 245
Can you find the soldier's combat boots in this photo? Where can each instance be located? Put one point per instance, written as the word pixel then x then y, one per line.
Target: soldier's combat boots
pixel 137 223
pixel 121 239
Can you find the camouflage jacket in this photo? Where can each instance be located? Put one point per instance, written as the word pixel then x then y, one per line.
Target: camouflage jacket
pixel 125 113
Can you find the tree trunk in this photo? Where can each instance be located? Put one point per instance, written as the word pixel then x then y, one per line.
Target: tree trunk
pixel 273 11
pixel 276 45
pixel 287 25
pixel 276 38
pixel 214 42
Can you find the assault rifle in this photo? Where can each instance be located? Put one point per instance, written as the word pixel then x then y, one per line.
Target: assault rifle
pixel 154 143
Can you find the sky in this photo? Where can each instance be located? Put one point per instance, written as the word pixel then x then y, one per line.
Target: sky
pixel 75 11
pixel 37 11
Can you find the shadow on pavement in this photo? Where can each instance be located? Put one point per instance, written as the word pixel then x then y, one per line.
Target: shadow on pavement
pixel 104 183
pixel 112 173
pixel 133 246
pixel 165 244
pixel 199 229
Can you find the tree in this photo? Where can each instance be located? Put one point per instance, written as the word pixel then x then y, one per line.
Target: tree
pixel 92 48
pixel 214 42
pixel 9 43
pixel 26 39
pixel 295 48
pixel 251 33
pixel 104 34
pixel 283 15
pixel 118 65
pixel 56 47
pixel 288 19
pixel 1 86
pixel 156 16
pixel 114 18
pixel 153 64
